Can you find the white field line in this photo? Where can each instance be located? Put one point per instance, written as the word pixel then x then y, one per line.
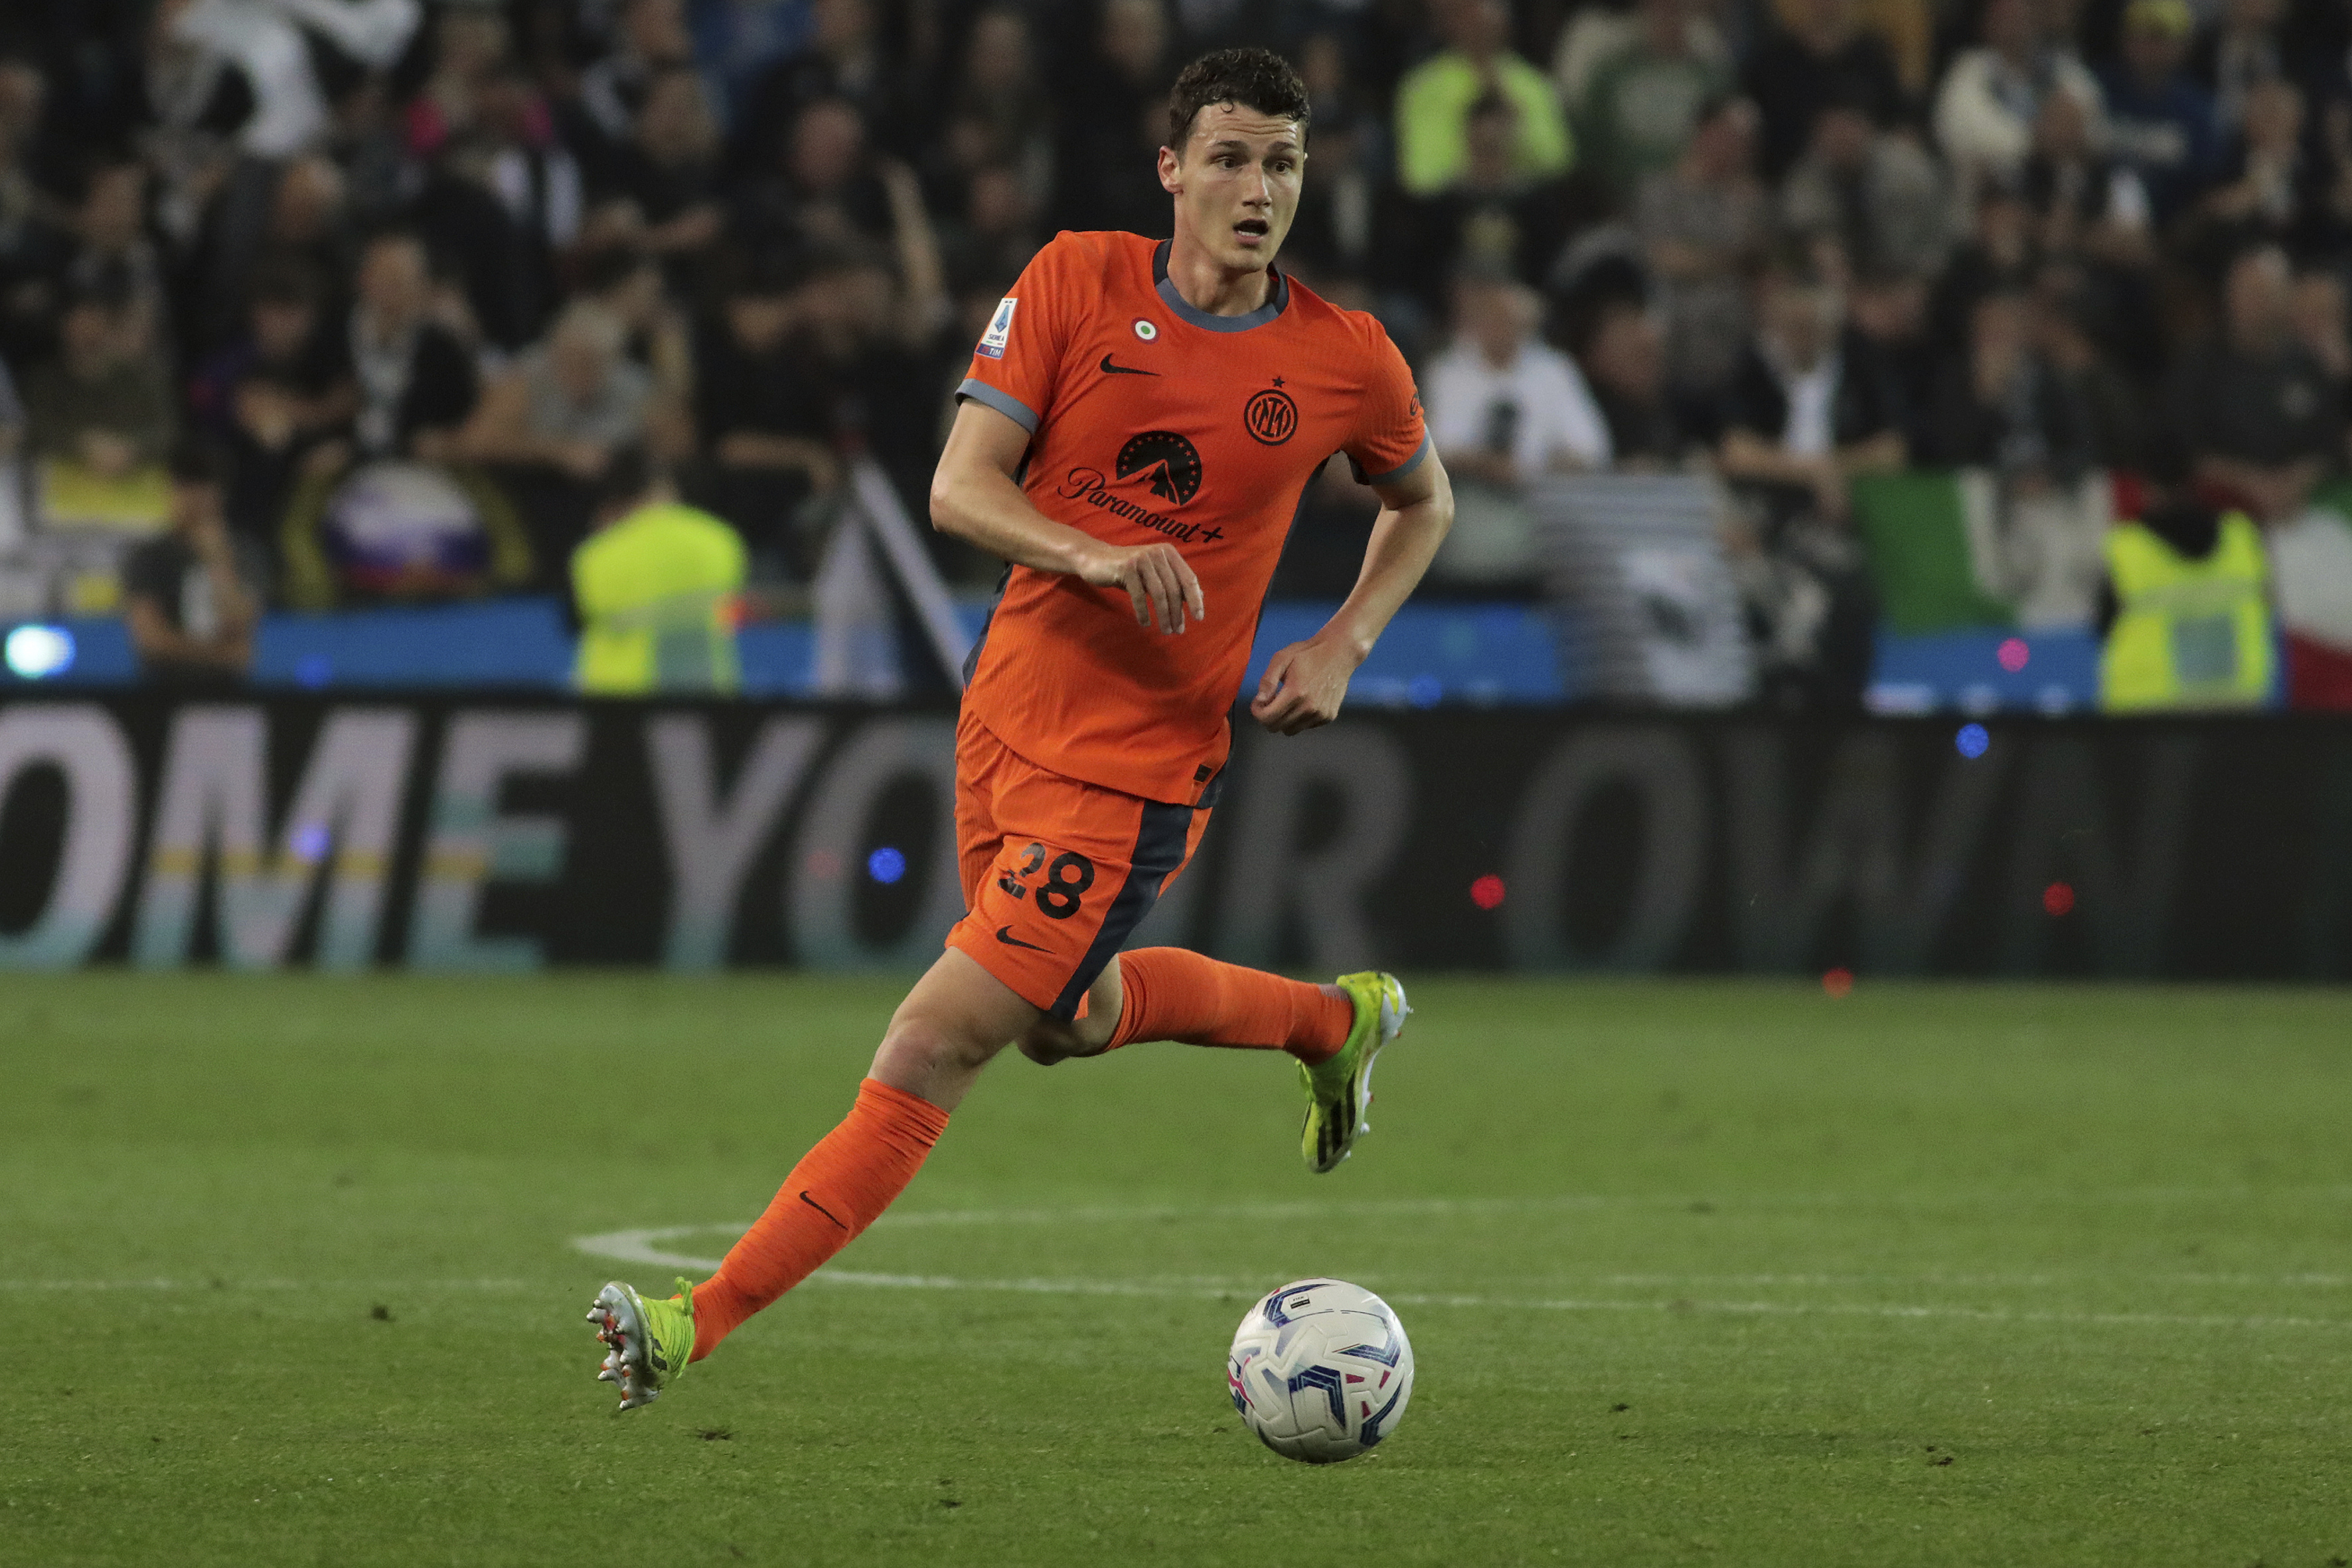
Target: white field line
pixel 1473 1208
pixel 640 1246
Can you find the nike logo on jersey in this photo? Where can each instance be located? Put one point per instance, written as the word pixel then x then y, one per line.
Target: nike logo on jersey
pixel 1005 934
pixel 1110 369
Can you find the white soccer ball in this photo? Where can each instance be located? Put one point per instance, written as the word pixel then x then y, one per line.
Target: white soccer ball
pixel 1320 1370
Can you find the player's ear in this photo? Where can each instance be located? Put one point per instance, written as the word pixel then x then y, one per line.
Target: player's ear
pixel 1171 179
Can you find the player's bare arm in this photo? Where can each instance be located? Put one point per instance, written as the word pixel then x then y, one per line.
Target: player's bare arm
pixel 976 498
pixel 1305 683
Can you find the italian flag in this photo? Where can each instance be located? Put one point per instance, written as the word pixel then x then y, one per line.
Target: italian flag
pixel 1948 551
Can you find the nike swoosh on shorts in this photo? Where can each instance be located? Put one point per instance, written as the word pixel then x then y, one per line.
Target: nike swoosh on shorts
pixel 1005 934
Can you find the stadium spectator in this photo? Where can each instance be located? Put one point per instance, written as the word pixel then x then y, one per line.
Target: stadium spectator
pixel 1908 29
pixel 1818 56
pixel 242 73
pixel 1992 94
pixel 2112 404
pixel 540 187
pixel 416 382
pixel 650 38
pixel 103 407
pixel 2002 251
pixel 1890 311
pixel 2183 617
pixel 629 286
pixel 2087 206
pixel 2255 405
pixel 560 413
pixel 2161 122
pixel 1622 353
pixel 31 246
pixel 866 330
pixel 1113 123
pixel 1000 115
pixel 2272 191
pixel 1643 99
pixel 1489 215
pixel 487 261
pixel 1335 232
pixel 309 218
pixel 763 419
pixel 272 396
pixel 1879 197
pixel 470 42
pixel 845 59
pixel 1505 409
pixel 190 614
pixel 1809 408
pixel 2241 54
pixel 2006 408
pixel 112 248
pixel 2320 323
pixel 1701 224
pixel 829 190
pixel 660 192
pixel 654 588
pixel 985 246
pixel 1435 100
pixel 294 211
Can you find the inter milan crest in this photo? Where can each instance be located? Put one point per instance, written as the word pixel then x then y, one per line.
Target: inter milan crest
pixel 1270 417
pixel 1173 462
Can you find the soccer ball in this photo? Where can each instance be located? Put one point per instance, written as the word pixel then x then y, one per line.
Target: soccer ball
pixel 1320 1370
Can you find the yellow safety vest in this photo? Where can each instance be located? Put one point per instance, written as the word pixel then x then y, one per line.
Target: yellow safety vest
pixel 2188 634
pixel 656 592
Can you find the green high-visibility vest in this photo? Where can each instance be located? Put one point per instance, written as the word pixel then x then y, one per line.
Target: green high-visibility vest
pixel 656 592
pixel 2188 634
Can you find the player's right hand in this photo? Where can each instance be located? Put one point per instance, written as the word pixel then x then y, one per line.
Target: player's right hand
pixel 1158 580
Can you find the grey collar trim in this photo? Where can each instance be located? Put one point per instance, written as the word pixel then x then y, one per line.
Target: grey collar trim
pixel 1185 310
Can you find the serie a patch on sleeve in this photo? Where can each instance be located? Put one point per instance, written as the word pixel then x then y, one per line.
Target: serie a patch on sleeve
pixel 1000 328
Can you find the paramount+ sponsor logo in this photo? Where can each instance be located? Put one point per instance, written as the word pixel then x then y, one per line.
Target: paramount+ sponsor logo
pixel 1170 467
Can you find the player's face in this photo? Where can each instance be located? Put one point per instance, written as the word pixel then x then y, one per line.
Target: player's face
pixel 1237 183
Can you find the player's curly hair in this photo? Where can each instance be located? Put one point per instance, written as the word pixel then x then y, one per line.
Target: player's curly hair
pixel 1254 78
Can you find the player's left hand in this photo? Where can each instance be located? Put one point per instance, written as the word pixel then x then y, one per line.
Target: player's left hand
pixel 1303 686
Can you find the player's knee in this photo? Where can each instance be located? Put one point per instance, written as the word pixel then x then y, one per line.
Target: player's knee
pixel 1051 1041
pixel 922 1044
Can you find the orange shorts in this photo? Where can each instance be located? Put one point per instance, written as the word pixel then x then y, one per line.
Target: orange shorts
pixel 1056 873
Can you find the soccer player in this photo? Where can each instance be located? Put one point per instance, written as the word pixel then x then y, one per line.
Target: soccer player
pixel 1140 422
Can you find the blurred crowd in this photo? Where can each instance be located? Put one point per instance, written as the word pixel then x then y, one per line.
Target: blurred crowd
pixel 469 250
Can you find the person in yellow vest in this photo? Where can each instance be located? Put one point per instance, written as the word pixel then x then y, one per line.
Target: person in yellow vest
pixel 2186 611
pixel 655 587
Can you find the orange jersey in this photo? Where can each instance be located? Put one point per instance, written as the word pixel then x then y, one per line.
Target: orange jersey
pixel 1152 420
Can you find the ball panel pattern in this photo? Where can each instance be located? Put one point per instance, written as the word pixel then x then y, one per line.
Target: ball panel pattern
pixel 1320 1370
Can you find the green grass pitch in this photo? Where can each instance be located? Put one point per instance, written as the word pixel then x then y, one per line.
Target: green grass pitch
pixel 1695 1273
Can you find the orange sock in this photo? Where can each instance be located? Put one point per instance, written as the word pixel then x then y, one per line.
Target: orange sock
pixel 1173 995
pixel 856 1171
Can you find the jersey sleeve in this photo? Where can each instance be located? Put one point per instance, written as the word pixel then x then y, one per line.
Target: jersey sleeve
pixel 1016 360
pixel 1390 438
